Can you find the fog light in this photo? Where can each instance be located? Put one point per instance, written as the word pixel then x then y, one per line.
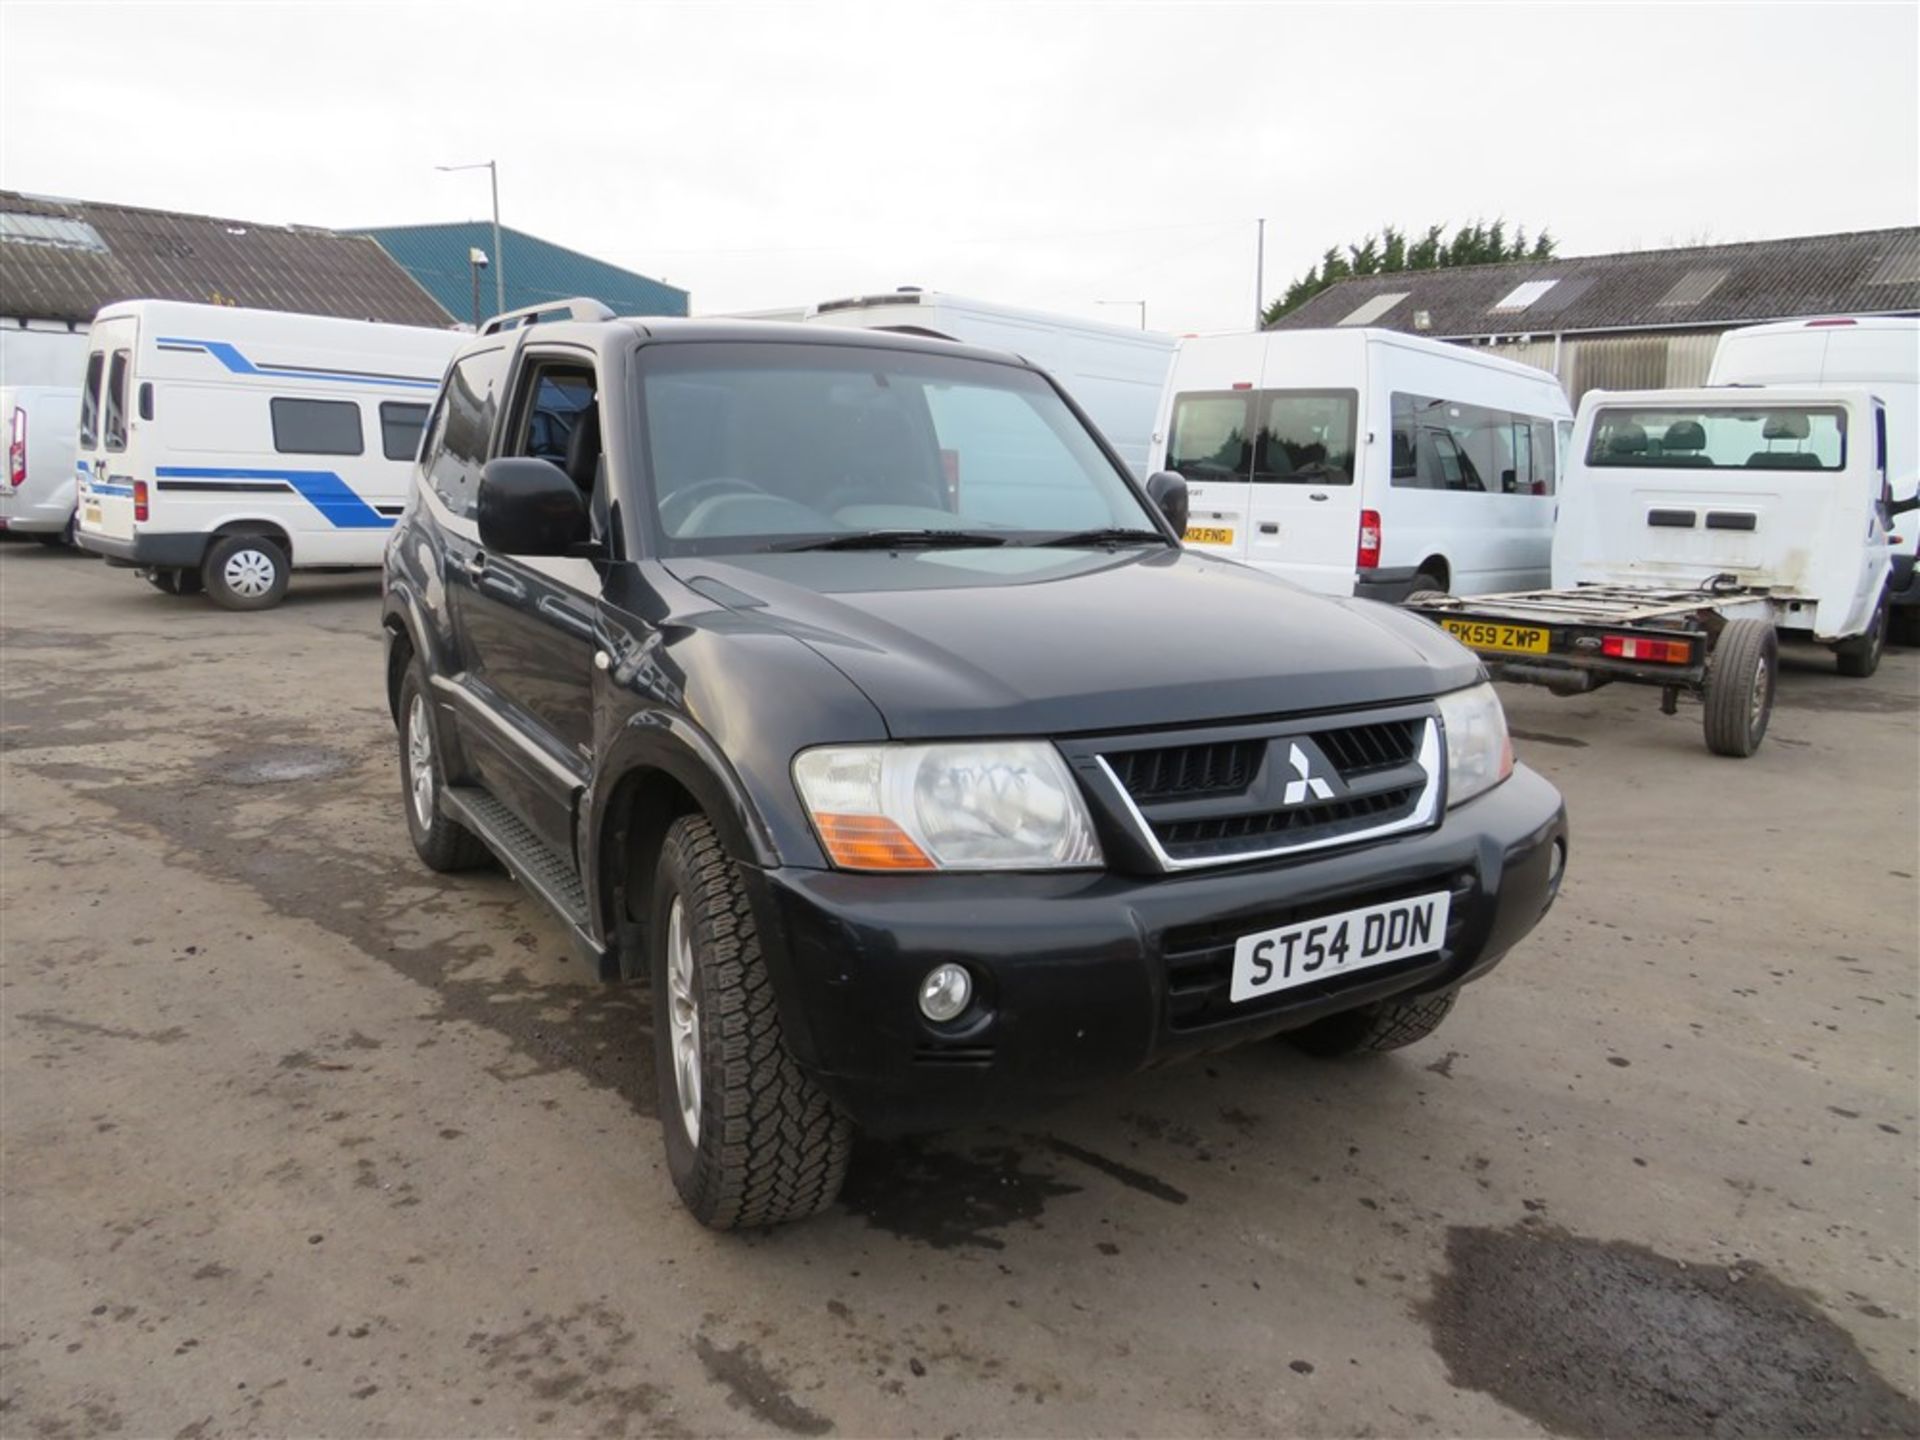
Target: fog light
pixel 945 992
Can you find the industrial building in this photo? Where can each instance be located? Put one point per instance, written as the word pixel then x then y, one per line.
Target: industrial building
pixel 1638 320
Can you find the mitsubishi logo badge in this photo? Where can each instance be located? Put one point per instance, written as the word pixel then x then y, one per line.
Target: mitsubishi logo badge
pixel 1306 782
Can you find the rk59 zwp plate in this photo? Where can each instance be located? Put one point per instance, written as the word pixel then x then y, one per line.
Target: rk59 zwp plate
pixel 1499 639
pixel 1334 945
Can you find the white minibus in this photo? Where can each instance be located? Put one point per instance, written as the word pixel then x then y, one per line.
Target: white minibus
pixel 1366 462
pixel 220 448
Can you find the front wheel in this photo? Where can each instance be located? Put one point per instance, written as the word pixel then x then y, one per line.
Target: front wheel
pixel 751 1140
pixel 1377 1028
pixel 245 572
pixel 1860 657
pixel 1741 673
pixel 444 844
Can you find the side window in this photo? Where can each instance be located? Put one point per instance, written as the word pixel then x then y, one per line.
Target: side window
pixel 1306 437
pixel 316 427
pixel 400 425
pixel 1546 458
pixel 1471 449
pixel 1880 440
pixel 113 423
pixel 90 402
pixel 462 432
pixel 1211 437
pixel 556 418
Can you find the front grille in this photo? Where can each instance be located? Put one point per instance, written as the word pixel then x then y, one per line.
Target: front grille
pixel 1260 790
pixel 1188 770
pixel 1199 958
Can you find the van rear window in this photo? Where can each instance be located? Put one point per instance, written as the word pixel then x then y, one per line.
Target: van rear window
pixel 114 408
pixel 1722 437
pixel 90 402
pixel 316 427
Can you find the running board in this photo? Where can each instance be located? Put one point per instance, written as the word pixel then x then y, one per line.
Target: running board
pixel 531 861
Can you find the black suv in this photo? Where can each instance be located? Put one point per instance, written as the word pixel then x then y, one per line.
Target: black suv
pixel 847 687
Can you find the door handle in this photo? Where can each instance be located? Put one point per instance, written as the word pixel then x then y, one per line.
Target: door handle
pixel 1268 527
pixel 1317 495
pixel 477 564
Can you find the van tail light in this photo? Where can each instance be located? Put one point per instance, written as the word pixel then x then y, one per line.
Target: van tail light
pixel 1639 647
pixel 139 499
pixel 17 449
pixel 1369 557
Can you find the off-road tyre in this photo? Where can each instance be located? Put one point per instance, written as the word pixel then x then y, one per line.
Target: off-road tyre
pixel 1741 676
pixel 245 572
pixel 772 1146
pixel 442 843
pixel 1377 1028
pixel 1860 657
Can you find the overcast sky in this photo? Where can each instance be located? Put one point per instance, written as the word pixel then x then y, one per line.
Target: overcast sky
pixel 1053 155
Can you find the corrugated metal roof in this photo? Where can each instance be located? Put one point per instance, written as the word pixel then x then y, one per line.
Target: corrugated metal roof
pixel 52 269
pixel 538 271
pixel 1865 272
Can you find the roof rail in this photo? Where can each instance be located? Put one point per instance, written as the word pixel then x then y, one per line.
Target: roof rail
pixel 579 308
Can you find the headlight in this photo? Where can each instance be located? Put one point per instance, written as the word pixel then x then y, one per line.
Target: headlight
pixel 1479 754
pixel 997 805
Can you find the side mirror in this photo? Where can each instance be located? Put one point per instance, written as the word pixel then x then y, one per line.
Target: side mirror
pixel 1168 491
pixel 530 507
pixel 1901 507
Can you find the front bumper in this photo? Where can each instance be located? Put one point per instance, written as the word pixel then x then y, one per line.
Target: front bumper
pixel 146 549
pixel 1088 977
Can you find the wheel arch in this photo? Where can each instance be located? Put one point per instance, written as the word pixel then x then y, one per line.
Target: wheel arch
pixel 256 525
pixel 1439 569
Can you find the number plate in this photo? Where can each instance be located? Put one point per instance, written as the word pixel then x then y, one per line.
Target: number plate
pixel 1209 535
pixel 1500 639
pixel 92 516
pixel 1333 945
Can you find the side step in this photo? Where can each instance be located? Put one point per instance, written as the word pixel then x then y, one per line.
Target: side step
pixel 531 861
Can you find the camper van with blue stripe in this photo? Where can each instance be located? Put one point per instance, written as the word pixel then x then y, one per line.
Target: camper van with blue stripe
pixel 221 448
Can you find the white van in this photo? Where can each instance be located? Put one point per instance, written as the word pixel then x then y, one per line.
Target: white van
pixel 37 497
pixel 221 447
pixel 1114 374
pixel 1366 462
pixel 1879 352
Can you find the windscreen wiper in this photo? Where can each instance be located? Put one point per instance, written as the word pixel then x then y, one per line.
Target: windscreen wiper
pixel 1108 535
pixel 896 540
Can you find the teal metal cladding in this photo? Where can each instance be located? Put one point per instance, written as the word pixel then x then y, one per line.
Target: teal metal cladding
pixel 538 272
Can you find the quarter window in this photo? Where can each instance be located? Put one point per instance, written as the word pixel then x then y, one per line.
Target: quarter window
pixel 1463 449
pixel 316 427
pixel 400 426
pixel 90 402
pixel 114 421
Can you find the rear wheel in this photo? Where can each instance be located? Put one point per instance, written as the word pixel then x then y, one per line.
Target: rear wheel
pixel 1740 681
pixel 1860 657
pixel 751 1140
pixel 1374 1029
pixel 245 572
pixel 1426 587
pixel 444 844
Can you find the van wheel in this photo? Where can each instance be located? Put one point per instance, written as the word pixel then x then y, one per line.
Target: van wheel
pixel 1860 657
pixel 1374 1029
pixel 1425 587
pixel 751 1140
pixel 444 844
pixel 245 572
pixel 1740 682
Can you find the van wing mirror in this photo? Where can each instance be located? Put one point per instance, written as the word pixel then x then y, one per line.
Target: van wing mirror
pixel 1168 491
pixel 1901 507
pixel 530 507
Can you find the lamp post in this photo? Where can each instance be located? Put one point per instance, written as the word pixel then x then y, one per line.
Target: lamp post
pixel 499 256
pixel 476 262
pixel 1141 303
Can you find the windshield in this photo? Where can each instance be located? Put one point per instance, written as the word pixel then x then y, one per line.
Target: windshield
pixel 755 446
pixel 1723 437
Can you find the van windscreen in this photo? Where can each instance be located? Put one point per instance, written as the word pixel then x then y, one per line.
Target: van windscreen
pixel 1723 437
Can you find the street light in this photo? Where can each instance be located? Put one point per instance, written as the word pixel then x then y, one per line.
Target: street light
pixel 499 256
pixel 1141 303
pixel 476 262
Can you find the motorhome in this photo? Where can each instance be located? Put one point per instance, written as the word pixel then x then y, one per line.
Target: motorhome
pixel 1366 462
pixel 1880 352
pixel 220 448
pixel 1114 374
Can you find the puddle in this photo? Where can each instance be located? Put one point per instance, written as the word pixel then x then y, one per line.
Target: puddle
pixel 1607 1338
pixel 948 1199
pixel 282 767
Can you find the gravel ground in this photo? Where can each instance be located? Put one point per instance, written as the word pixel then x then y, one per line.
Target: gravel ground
pixel 300 1138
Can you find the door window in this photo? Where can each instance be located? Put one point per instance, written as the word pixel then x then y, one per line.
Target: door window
pixel 90 402
pixel 1211 437
pixel 114 420
pixel 1306 437
pixel 557 418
